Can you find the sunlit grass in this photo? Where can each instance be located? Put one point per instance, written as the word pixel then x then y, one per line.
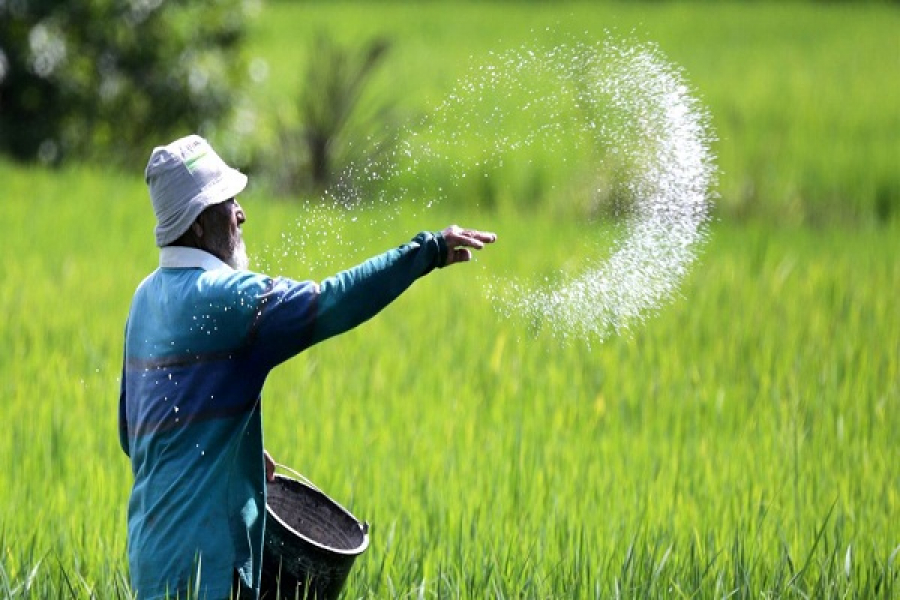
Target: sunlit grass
pixel 741 441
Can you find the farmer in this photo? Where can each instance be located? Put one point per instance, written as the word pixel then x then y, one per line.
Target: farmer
pixel 201 337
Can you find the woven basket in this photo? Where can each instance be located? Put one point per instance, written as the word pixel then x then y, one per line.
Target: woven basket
pixel 311 542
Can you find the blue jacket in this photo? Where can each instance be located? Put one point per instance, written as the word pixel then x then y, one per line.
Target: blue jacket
pixel 199 342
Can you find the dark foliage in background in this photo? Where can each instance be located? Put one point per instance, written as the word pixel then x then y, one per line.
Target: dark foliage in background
pixel 331 128
pixel 102 79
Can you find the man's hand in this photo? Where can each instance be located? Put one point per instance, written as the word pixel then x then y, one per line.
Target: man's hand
pixel 459 241
pixel 270 465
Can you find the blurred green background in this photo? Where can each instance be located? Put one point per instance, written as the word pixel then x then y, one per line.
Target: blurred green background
pixel 741 442
pixel 803 97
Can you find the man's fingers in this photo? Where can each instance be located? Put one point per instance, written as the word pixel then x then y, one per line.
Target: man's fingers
pixel 468 237
pixel 460 255
pixel 459 241
pixel 466 242
pixel 477 238
pixel 488 237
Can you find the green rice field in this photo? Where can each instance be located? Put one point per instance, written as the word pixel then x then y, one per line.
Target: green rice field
pixel 741 442
pixel 803 97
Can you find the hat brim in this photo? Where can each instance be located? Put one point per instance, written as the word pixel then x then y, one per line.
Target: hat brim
pixel 225 188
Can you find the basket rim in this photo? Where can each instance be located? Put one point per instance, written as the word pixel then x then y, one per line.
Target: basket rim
pixel 347 552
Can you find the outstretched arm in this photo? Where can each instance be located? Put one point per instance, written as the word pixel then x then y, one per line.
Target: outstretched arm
pixel 353 296
pixel 297 315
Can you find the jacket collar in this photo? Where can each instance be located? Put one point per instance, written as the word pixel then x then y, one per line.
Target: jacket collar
pixel 182 257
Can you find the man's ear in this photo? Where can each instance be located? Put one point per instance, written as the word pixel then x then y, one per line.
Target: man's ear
pixel 197 229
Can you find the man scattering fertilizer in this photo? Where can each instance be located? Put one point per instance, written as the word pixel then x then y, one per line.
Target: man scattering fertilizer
pixel 201 337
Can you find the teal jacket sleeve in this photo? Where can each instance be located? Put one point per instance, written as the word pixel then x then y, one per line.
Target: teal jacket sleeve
pixel 356 295
pixel 297 315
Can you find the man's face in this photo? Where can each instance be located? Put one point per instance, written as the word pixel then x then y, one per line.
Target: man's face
pixel 222 233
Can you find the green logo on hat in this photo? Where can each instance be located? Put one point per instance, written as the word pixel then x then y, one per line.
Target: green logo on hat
pixel 191 163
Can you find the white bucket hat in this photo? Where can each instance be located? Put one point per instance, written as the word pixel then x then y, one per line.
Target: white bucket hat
pixel 184 178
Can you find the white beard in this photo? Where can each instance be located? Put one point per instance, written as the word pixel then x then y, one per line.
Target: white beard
pixel 239 260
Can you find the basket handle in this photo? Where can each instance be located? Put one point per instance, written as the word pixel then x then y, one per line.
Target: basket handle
pixel 299 476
